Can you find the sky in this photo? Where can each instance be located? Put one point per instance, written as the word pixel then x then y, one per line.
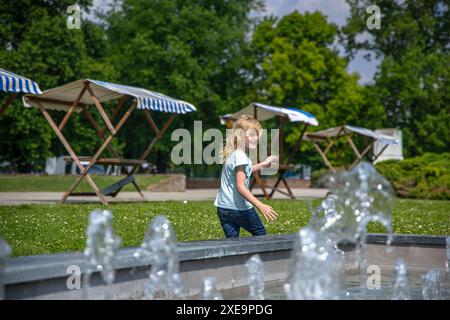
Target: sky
pixel 337 12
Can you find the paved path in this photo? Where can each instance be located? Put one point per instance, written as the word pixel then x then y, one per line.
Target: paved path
pixel 17 198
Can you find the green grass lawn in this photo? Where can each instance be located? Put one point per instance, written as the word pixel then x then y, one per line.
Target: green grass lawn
pixel 37 183
pixel 39 229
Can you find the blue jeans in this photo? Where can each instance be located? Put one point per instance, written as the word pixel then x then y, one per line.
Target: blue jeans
pixel 232 220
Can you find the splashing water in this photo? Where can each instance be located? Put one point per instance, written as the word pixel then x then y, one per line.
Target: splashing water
pixel 160 250
pixel 361 245
pixel 447 262
pixel 101 245
pixel 5 252
pixel 209 289
pixel 255 269
pixel 358 197
pixel 330 220
pixel 401 289
pixel 431 285
pixel 316 269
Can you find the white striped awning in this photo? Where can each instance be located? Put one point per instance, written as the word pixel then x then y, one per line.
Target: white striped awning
pixel 11 82
pixel 265 112
pixel 346 130
pixel 60 98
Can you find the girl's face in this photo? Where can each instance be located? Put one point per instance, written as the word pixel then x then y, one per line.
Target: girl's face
pixel 251 139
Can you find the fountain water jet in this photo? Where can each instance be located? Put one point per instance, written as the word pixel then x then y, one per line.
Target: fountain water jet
pixel 101 245
pixel 401 289
pixel 209 289
pixel 431 285
pixel 160 250
pixel 357 197
pixel 255 269
pixel 316 269
pixel 5 252
pixel 361 244
pixel 447 262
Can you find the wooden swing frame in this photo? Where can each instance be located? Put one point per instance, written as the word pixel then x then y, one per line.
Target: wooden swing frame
pixel 111 131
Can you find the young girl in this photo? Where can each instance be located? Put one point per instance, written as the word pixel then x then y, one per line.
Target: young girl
pixel 234 201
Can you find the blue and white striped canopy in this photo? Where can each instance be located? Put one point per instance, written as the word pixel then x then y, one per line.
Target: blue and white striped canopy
pixel 105 91
pixel 265 112
pixel 148 99
pixel 11 82
pixel 344 130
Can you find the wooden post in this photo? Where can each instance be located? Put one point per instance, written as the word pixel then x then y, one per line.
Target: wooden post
pixel 288 188
pixel 379 153
pixel 100 133
pixel 72 154
pixel 155 139
pixel 361 156
pixel 103 146
pixel 100 109
pixel 280 174
pixel 335 139
pixel 324 157
pixel 330 144
pixel 297 144
pixel 71 109
pixel 257 178
pixel 352 144
pixel 116 110
pixel 97 129
pixel 151 122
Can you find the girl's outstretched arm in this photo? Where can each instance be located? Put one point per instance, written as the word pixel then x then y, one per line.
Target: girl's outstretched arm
pixel 265 164
pixel 266 210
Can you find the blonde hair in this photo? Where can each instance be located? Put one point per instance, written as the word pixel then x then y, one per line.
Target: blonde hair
pixel 244 123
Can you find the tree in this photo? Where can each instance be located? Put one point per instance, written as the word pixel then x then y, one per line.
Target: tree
pixel 35 42
pixel 293 64
pixel 412 82
pixel 189 49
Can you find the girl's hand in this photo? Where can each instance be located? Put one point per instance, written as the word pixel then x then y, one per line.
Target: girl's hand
pixel 269 160
pixel 268 212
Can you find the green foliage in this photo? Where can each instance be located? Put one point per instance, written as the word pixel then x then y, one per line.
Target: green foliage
pixel 35 42
pixel 17 15
pixel 426 177
pixel 412 81
pixel 192 50
pixel 213 54
pixel 293 64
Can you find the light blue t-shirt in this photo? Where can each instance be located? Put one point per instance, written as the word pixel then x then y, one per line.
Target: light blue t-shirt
pixel 228 196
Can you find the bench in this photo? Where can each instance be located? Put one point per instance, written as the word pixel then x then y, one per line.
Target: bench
pixel 113 189
pixel 109 161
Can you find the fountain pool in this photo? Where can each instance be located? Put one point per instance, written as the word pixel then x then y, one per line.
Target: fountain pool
pixel 332 257
pixel 46 277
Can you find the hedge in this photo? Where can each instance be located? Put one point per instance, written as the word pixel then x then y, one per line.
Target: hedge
pixel 423 177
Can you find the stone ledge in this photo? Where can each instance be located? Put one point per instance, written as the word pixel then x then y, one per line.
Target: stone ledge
pixel 39 267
